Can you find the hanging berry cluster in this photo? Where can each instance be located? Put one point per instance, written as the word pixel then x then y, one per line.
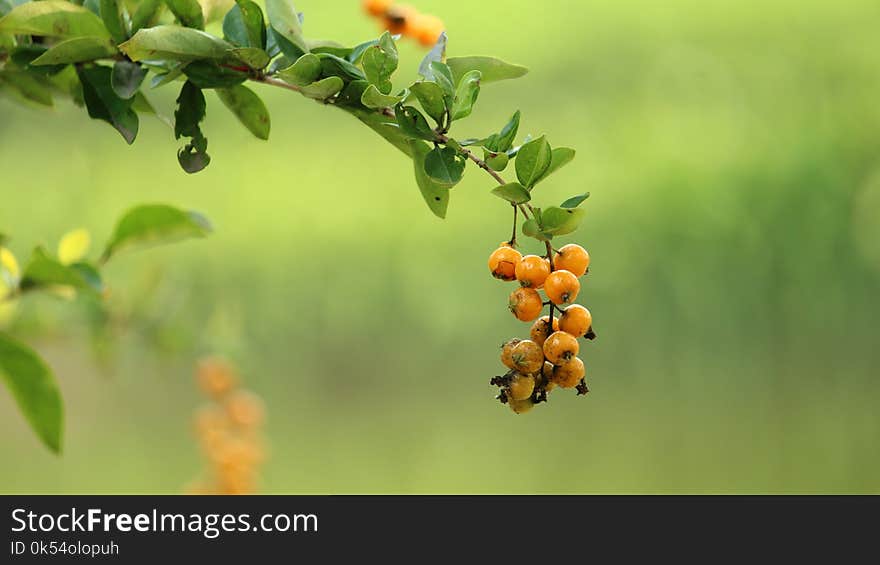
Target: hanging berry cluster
pixel 550 357
pixel 229 430
pixel 406 21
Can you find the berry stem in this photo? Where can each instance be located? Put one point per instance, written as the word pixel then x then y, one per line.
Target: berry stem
pixel 549 249
pixel 513 234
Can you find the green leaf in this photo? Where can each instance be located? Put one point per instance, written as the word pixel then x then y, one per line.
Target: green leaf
pixel 497 162
pixel 253 57
pixel 531 229
pixel 331 65
pixel 244 25
pixel 532 161
pixel 172 74
pixel 285 22
pixel 413 123
pixel 53 18
pixel 575 201
pixel 155 224
pixel 513 192
pixel 380 62
pixel 209 74
pixel 103 103
pixel 504 140
pixel 431 97
pixel 188 12
pixel 193 157
pixel 126 78
pixel 43 270
pixel 442 75
pixel 34 389
pixel 328 46
pixel 175 43
pixel 305 70
pixel 145 15
pixel 248 108
pixel 112 15
pixel 491 68
pixel 560 221
pixel 436 195
pixel 444 165
pixel 27 87
pixel 358 50
pixel 466 95
pixel 76 50
pixel 323 89
pixel 559 157
pixel 437 54
pixel 372 98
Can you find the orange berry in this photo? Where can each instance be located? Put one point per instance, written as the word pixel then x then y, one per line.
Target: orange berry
pixel 541 329
pixel 521 406
pixel 503 262
pixel 569 374
pixel 560 347
pixel 245 409
pixel 426 29
pixel 521 387
pixel 527 356
pixel 562 287
pixel 215 376
pixel 507 352
pixel 572 258
pixel 525 304
pixel 398 19
pixel 377 7
pixel 575 320
pixel 532 271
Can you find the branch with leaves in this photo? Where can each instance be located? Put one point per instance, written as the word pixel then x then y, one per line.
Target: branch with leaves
pixel 103 54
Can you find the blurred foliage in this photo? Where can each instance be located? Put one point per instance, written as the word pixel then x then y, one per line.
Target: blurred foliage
pixel 731 156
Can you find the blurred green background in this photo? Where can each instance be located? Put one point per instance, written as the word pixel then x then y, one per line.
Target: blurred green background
pixel 733 155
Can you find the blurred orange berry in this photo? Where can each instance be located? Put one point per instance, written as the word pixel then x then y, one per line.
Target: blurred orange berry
pixel 507 352
pixel 398 19
pixel 216 377
pixel 521 406
pixel 377 7
pixel 245 409
pixel 426 29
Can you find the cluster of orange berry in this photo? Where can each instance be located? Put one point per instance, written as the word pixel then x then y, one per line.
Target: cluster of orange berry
pixel 229 430
pixel 550 357
pixel 406 21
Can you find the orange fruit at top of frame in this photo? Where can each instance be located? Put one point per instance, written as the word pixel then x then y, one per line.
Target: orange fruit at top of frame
pixel 562 287
pixel 532 271
pixel 426 29
pixel 525 304
pixel 377 7
pixel 503 262
pixel 399 19
pixel 576 320
pixel 572 258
